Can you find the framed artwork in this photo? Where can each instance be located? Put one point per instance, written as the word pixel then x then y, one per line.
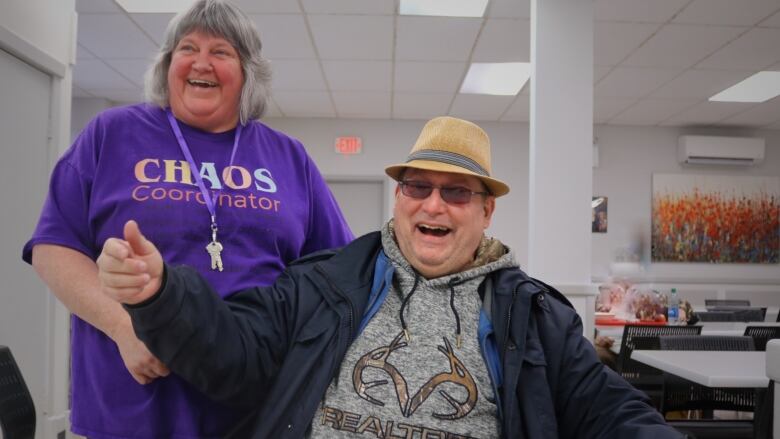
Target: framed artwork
pixel 598 215
pixel 710 218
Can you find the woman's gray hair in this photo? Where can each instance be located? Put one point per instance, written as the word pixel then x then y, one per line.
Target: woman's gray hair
pixel 222 19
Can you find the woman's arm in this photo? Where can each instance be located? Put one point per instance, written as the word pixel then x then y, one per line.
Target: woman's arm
pixel 72 277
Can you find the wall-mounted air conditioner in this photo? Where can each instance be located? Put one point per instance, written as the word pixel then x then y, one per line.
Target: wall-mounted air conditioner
pixel 716 150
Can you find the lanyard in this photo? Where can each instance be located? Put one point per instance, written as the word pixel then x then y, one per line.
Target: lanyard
pixel 214 248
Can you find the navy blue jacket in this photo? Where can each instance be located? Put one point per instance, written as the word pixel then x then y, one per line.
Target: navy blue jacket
pixel 277 348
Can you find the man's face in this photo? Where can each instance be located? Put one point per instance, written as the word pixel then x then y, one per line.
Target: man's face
pixel 436 237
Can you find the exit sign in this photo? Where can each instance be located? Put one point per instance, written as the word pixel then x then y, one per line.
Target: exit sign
pixel 349 145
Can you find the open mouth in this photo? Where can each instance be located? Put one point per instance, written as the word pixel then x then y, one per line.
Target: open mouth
pixel 433 230
pixel 201 83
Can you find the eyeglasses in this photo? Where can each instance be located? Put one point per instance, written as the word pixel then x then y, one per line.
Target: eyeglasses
pixel 421 190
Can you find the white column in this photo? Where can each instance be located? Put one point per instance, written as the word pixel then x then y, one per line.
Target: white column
pixel 560 162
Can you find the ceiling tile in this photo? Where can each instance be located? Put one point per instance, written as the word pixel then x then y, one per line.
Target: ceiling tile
pixel 614 41
pixel 430 77
pixel 701 84
pixel 370 7
pixel 79 93
pixel 97 7
pixel 353 37
pixel 480 107
pixel 363 104
pixel 706 113
pixel 284 36
pixel 605 108
pixel 153 24
pixel 727 12
pixel 113 36
pixel 766 113
pixel 132 96
pixel 628 82
pixel 651 111
pixel 773 21
pixel 268 6
pixel 599 72
pixel 358 75
pixel 420 105
pixel 504 40
pixel 519 111
pixel 435 38
pixel 297 74
pixel 82 53
pixel 132 69
pixel 681 45
pixel 509 9
pixel 94 74
pixel 304 103
pixel 758 48
pixel 655 11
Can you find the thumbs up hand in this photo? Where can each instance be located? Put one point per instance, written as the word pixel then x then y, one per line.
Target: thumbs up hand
pixel 130 269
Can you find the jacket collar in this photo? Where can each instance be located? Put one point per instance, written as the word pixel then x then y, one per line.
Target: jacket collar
pixel 351 269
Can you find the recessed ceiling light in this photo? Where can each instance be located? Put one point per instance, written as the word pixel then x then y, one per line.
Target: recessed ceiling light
pixel 760 87
pixel 155 6
pixel 444 8
pixel 503 79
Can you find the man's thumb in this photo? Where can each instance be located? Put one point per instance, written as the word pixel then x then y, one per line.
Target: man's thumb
pixel 140 245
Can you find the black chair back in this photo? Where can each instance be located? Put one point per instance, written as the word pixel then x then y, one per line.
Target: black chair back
pixel 762 334
pixel 17 411
pixel 645 337
pixel 706 343
pixel 709 303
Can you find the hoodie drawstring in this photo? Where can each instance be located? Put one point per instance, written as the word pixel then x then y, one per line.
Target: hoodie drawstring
pixel 455 281
pixel 403 306
pixel 451 284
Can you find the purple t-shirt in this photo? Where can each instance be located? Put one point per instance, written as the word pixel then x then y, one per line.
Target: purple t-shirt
pixel 273 207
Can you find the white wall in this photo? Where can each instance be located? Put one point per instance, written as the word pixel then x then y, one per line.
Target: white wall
pixel 42 34
pixel 628 156
pixel 387 142
pixel 82 111
pixel 45 24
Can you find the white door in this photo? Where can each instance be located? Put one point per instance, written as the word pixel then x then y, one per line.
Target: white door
pixel 24 309
pixel 361 201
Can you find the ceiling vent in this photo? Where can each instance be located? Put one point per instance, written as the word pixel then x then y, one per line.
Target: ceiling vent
pixel 715 150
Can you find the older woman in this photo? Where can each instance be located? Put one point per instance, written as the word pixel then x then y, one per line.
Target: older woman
pixel 214 188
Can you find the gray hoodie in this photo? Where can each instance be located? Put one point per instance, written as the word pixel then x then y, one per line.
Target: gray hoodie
pixel 427 386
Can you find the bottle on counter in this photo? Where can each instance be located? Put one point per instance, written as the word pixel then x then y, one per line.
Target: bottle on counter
pixel 673 314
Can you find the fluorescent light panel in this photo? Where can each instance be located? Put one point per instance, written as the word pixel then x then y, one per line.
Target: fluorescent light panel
pixel 444 8
pixel 154 6
pixel 760 87
pixel 502 79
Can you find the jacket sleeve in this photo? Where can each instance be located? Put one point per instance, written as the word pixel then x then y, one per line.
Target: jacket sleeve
pixel 227 349
pixel 594 402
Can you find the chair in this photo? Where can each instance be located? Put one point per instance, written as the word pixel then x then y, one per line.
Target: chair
pixel 732 314
pixel 680 394
pixel 17 411
pixel 645 337
pixel 709 303
pixel 762 334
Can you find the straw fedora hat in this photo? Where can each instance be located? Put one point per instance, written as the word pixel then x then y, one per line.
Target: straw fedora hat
pixel 447 144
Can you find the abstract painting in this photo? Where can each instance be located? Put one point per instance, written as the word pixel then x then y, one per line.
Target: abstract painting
pixel 712 218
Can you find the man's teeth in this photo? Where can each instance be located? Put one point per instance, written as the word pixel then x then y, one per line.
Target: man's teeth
pixel 434 228
pixel 201 83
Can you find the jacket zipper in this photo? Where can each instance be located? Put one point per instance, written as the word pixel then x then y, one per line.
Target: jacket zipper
pixel 509 321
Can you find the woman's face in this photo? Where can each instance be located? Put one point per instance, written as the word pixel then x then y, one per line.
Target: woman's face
pixel 204 82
